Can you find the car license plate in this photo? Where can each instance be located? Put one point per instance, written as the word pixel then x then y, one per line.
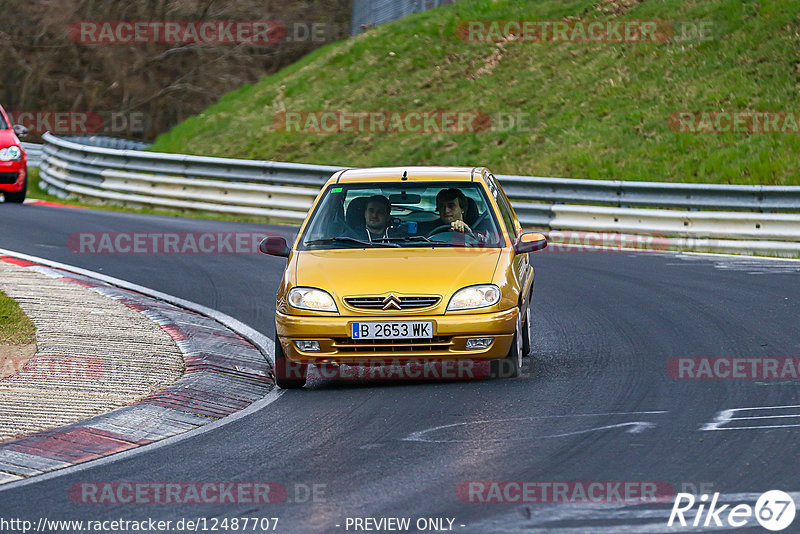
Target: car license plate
pixel 393 330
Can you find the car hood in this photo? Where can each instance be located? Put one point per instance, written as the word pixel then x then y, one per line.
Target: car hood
pixel 407 271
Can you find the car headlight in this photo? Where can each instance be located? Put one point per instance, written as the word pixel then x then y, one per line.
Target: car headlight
pixel 12 153
pixel 307 298
pixel 474 297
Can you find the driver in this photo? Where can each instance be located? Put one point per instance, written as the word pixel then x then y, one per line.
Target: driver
pixel 451 205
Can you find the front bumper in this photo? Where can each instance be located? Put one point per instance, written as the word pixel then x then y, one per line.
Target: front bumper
pixel 449 342
pixel 12 175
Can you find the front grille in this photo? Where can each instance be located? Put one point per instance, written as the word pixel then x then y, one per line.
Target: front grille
pixel 405 303
pixel 8 177
pixel 436 343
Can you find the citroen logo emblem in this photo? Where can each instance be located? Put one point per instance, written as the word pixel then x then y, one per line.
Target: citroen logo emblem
pixel 391 302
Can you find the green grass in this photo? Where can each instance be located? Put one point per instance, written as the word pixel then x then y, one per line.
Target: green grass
pixel 16 328
pixel 596 110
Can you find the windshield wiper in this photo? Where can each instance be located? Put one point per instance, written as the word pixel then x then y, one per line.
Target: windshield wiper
pixel 413 237
pixel 330 240
pixel 426 239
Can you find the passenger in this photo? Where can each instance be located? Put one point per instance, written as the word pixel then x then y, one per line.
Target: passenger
pixel 376 218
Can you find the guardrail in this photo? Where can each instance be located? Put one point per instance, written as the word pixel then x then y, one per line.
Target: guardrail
pixel 105 141
pixel 177 181
pixel 368 13
pixel 654 194
pixel 34 152
pixel 698 215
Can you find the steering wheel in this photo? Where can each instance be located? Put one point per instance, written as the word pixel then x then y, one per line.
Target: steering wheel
pixel 447 228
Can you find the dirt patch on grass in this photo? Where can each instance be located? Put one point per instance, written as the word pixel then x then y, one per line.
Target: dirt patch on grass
pixel 616 7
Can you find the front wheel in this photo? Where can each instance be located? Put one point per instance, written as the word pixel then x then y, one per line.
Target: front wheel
pixel 511 365
pixel 527 334
pixel 288 375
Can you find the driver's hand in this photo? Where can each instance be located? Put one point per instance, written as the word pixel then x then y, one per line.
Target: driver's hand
pixel 460 226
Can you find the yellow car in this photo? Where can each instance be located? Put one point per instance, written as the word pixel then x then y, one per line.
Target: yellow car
pixel 405 264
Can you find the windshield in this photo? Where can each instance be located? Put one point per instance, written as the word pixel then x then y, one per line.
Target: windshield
pixel 3 125
pixel 424 214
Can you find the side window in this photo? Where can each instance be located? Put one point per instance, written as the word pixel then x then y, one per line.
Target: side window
pixel 505 209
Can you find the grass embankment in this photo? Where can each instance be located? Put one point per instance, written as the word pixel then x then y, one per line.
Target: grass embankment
pixel 16 328
pixel 596 109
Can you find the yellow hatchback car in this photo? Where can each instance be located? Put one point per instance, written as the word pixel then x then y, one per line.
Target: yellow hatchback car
pixel 405 264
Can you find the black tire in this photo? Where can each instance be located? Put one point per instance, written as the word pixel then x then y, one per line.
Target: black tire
pixel 288 375
pixel 511 365
pixel 526 335
pixel 19 196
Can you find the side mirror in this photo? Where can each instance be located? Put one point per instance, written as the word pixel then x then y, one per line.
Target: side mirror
pixel 274 245
pixel 20 130
pixel 530 242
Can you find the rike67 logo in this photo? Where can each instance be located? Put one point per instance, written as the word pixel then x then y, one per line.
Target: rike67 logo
pixel 774 510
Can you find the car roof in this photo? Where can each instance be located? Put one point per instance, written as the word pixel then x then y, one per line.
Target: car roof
pixel 413 174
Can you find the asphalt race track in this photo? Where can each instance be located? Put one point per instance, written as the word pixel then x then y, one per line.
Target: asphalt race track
pixel 595 403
